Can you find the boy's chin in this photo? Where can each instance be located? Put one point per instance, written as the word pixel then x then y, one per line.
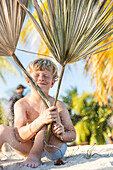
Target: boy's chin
pixel 45 91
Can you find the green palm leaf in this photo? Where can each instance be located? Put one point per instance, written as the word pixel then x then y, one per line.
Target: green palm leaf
pixel 12 17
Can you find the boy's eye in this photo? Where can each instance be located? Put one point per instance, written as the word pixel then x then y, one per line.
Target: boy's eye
pixel 46 76
pixel 35 76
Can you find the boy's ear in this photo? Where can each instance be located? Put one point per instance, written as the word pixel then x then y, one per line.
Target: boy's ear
pixel 53 82
pixel 28 82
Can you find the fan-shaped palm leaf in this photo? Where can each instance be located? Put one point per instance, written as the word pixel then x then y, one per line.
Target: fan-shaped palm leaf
pixel 11 20
pixel 72 29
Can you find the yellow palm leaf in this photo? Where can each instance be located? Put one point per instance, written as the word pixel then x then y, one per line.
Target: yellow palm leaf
pixel 43 50
pixel 101 69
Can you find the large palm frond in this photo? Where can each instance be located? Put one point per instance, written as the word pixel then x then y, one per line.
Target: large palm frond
pixel 12 17
pixel 11 21
pixel 73 29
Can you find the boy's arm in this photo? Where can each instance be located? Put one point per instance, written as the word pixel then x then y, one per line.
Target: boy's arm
pixel 27 131
pixel 64 125
pixel 23 129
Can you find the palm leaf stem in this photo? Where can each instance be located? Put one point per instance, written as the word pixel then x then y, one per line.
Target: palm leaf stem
pixel 59 84
pixel 58 88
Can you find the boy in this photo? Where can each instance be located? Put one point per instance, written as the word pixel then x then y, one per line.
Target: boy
pixel 31 119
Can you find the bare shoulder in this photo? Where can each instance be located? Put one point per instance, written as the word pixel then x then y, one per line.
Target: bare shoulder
pixel 61 106
pixel 22 103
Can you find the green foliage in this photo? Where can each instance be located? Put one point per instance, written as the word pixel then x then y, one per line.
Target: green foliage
pixel 2 119
pixel 68 99
pixel 89 119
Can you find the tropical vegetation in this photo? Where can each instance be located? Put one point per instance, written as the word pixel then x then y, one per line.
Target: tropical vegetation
pixel 100 67
pixel 89 118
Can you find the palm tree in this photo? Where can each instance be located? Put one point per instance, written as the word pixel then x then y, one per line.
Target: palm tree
pixel 101 68
pixel 92 126
pixel 90 119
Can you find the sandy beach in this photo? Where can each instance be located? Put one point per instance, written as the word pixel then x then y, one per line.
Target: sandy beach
pixel 98 157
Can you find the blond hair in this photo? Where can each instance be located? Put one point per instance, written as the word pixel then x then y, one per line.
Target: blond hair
pixel 43 64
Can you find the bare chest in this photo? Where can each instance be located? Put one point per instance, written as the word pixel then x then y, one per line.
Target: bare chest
pixel 31 115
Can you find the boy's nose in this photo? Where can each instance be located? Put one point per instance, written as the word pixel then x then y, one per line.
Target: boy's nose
pixel 41 77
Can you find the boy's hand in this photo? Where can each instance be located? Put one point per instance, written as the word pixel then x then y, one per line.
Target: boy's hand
pixel 58 129
pixel 49 115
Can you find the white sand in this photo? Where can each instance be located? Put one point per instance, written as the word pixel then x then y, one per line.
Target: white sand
pixel 75 159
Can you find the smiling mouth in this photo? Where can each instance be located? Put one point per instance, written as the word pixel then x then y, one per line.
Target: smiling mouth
pixel 41 84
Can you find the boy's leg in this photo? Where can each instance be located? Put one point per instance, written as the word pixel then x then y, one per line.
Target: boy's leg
pixel 35 154
pixel 7 136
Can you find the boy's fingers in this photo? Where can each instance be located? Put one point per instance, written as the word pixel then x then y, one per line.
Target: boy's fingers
pixel 58 131
pixel 52 108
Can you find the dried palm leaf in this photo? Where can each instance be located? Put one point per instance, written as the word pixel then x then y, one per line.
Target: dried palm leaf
pixel 72 29
pixel 12 17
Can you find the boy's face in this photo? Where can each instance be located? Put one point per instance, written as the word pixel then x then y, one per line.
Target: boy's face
pixel 44 79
